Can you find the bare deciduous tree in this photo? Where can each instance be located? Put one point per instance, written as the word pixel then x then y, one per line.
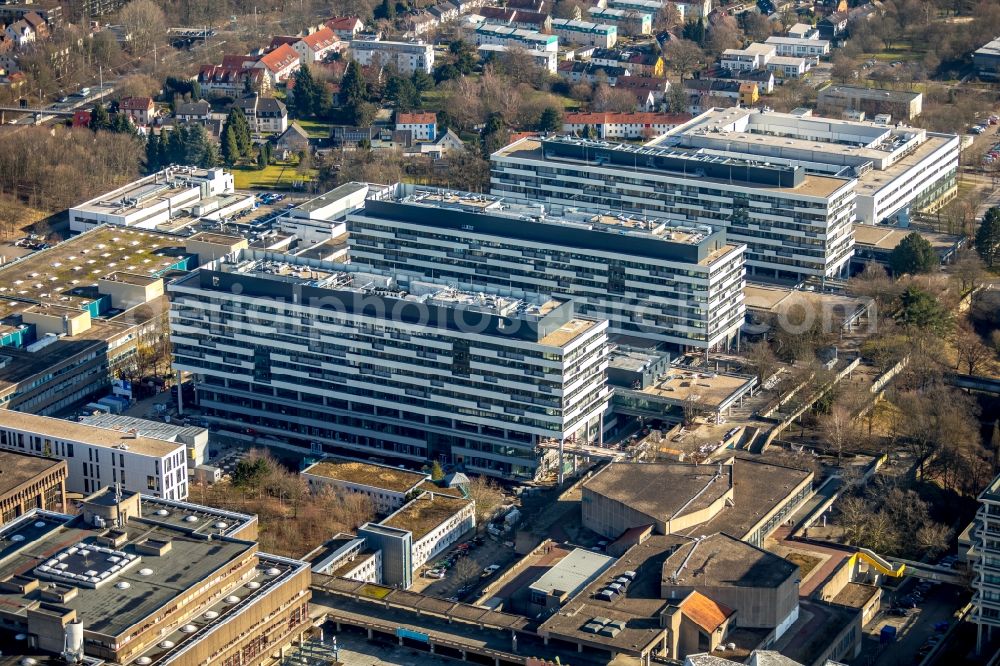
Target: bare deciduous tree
pixel 145 23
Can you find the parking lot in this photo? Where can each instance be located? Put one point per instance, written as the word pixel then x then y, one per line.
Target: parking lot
pixel 490 552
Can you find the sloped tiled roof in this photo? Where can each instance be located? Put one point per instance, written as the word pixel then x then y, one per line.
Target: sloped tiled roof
pixel 706 613
pixel 415 118
pixel 279 58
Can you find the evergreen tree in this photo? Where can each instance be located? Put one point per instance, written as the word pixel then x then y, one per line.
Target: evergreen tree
pixel 422 80
pixel 268 151
pixel 261 158
pixel 551 120
pixel 99 118
pixel 353 89
pixel 176 146
pixel 402 93
pixel 988 237
pixel 163 150
pixel 495 135
pixel 230 148
pixel 194 139
pixel 209 155
pixel 914 254
pixel 152 153
pixel 237 121
pixel 122 124
pixel 307 96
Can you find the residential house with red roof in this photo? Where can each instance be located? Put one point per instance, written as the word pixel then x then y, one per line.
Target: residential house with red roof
pixel 318 46
pixel 140 110
pixel 279 64
pixel 421 126
pixel 346 27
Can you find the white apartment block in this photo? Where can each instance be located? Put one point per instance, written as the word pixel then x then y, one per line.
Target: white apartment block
pixel 585 33
pixel 500 35
pixel 787 67
pixel 794 224
pixel 899 169
pixel 286 351
pixel 754 56
pixel 629 21
pixel 800 48
pixel 678 285
pixel 387 487
pixel 99 458
pixel 152 202
pixel 407 57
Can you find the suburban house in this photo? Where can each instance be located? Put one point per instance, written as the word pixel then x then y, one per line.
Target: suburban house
pixel 231 81
pixel 293 141
pixel 623 125
pixel 445 11
pixel 421 126
pixel 703 95
pixel 439 147
pixel 140 110
pixel 420 23
pixel 266 115
pixel 763 78
pixel 193 112
pixel 318 46
pixel 279 64
pixel 650 92
pixel 346 27
pixel 21 33
pixel 575 71
pixel 833 25
pixel 640 63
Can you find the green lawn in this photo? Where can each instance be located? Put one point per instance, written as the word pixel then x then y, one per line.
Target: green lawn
pixel 317 129
pixel 280 176
pixel 903 51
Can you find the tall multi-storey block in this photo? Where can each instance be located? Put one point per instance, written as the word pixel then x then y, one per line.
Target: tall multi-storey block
pixel 794 224
pixel 100 457
pixel 678 285
pixel 290 352
pixel 407 57
pixel 984 563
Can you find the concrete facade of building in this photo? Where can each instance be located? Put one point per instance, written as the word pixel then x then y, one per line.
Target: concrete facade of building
pixel 380 381
pixel 677 285
pixel 794 224
pixel 30 482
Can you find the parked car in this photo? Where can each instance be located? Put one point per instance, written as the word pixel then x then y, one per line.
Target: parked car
pixel 490 570
pixel 435 573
